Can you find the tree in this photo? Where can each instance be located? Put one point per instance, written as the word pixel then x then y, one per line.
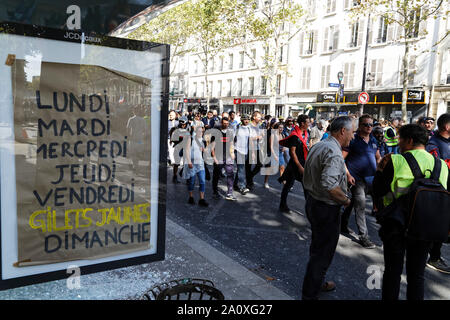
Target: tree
pixel 173 27
pixel 410 17
pixel 198 27
pixel 273 24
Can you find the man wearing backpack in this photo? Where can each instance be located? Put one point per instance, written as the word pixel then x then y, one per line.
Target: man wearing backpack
pixel 393 180
pixel 439 146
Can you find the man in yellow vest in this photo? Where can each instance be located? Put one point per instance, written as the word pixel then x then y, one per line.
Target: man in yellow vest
pixel 391 136
pixel 392 180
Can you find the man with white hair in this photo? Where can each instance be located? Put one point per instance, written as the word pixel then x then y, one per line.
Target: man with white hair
pixel 325 179
pixel 317 132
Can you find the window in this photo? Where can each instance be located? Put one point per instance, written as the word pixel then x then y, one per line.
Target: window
pixel 325 76
pixel 382 30
pixel 280 58
pixel 253 61
pixel 210 88
pixel 211 64
pixel 415 20
pixel 263 85
pixel 331 6
pixel 356 33
pixel 202 89
pixel 312 8
pixel 331 39
pixel 219 88
pixel 230 83
pixel 412 69
pixel 349 74
pixel 278 84
pixel 195 90
pixel 376 73
pixel 305 79
pixel 348 4
pixel 239 87
pixel 241 59
pixel 195 67
pixel 221 64
pixel 311 44
pixel 251 86
pixel 230 66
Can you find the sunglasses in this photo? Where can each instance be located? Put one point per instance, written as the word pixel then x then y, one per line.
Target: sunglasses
pixel 367 125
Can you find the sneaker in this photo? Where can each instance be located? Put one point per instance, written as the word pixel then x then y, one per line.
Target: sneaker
pixel 439 265
pixel 230 197
pixel 191 200
pixel 203 203
pixel 266 185
pixel 244 191
pixel 216 196
pixel 366 243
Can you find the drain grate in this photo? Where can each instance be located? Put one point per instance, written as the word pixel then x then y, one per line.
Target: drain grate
pixel 184 289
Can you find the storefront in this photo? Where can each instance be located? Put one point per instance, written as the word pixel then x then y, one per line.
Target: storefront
pixel 250 105
pixel 381 105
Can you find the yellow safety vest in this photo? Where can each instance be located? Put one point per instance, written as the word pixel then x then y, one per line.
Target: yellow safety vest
pixel 403 176
pixel 390 142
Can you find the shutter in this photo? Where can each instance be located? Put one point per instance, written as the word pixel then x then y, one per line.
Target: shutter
pixel 334 6
pixel 390 32
pixel 301 43
pixel 336 38
pixel 325 40
pixel 361 31
pixel 308 85
pixel 379 80
pixel 371 28
pixel 322 78
pixel 316 38
pixel 346 69
pixel 352 75
pixel 412 69
pixel 328 76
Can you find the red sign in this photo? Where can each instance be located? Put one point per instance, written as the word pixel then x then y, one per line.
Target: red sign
pixel 243 101
pixel 363 98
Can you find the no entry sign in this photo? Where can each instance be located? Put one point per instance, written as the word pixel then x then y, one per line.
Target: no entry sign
pixel 363 98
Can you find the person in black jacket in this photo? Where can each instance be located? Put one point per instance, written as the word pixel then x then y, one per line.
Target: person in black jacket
pixel 297 142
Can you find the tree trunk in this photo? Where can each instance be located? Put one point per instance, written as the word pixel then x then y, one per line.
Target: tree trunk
pixel 405 82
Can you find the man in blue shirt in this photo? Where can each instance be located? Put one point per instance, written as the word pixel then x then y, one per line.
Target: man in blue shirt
pixel 361 158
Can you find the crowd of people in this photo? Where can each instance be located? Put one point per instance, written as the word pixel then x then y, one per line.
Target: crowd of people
pixel 338 162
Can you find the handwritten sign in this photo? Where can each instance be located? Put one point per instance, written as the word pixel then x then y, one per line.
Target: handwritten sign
pixel 83 184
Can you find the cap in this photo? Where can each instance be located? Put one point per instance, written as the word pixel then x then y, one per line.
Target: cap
pixel 245 117
pixel 183 120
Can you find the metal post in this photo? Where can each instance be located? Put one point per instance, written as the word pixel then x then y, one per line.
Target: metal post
pixel 363 86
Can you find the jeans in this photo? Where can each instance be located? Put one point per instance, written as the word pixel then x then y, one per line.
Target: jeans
pixel 325 227
pixel 393 149
pixel 201 181
pixel 217 169
pixel 359 191
pixel 395 244
pixel 241 177
pixel 251 173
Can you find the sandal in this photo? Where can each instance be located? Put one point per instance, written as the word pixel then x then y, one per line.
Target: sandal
pixel 328 286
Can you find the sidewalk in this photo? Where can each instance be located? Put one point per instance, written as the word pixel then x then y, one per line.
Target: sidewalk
pixel 186 257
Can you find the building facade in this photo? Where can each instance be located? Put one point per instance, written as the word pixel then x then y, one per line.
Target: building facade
pixel 331 42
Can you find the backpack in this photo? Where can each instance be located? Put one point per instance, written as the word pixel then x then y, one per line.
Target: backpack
pixel 427 204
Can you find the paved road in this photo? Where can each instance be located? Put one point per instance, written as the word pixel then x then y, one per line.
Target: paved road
pixel 275 246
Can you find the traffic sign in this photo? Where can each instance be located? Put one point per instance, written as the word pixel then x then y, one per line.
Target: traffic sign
pixel 363 98
pixel 333 85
